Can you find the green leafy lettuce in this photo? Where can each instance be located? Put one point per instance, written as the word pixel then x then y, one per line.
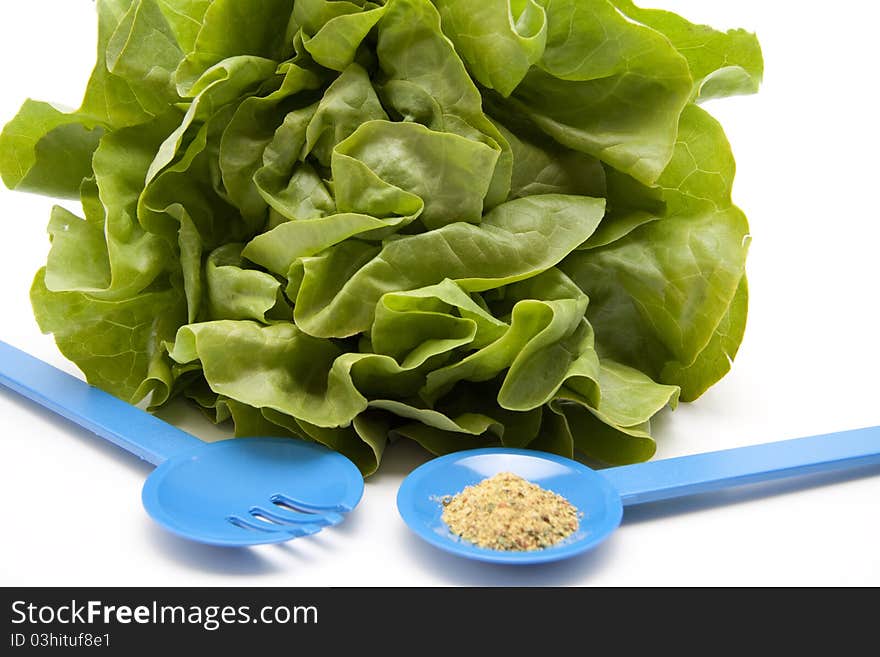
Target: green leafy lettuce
pixel 504 222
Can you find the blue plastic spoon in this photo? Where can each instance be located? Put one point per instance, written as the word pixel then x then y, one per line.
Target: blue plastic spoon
pixel 601 495
pixel 238 492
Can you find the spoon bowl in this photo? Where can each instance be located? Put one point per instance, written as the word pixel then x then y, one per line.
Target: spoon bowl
pixel 420 495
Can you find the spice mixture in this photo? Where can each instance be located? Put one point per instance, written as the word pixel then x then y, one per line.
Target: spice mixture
pixel 506 512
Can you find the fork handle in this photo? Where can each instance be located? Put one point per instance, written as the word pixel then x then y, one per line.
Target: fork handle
pixel 122 424
pixel 700 473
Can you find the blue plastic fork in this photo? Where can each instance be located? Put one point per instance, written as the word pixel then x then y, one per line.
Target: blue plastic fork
pixel 238 492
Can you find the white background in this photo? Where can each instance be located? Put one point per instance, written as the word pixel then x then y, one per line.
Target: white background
pixel 807 149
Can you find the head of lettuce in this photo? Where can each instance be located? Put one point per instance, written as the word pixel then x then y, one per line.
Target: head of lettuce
pixel 465 224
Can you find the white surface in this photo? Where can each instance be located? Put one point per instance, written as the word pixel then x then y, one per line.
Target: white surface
pixel 807 149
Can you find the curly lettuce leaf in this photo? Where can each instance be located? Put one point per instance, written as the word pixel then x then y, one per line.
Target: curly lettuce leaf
pixel 515 241
pixel 605 86
pixel 673 281
pixel 119 345
pixel 352 222
pixel 721 63
pixel 500 39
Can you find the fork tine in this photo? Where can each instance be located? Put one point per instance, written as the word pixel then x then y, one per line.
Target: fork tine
pixel 286 516
pixel 242 523
pixel 295 531
pixel 310 508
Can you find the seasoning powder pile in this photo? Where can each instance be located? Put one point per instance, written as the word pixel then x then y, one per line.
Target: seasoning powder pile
pixel 506 512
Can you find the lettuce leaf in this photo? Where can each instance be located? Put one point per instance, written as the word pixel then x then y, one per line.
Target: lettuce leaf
pixel 357 221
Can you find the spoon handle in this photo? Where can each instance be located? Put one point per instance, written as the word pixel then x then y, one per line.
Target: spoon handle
pixel 700 473
pixel 111 418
